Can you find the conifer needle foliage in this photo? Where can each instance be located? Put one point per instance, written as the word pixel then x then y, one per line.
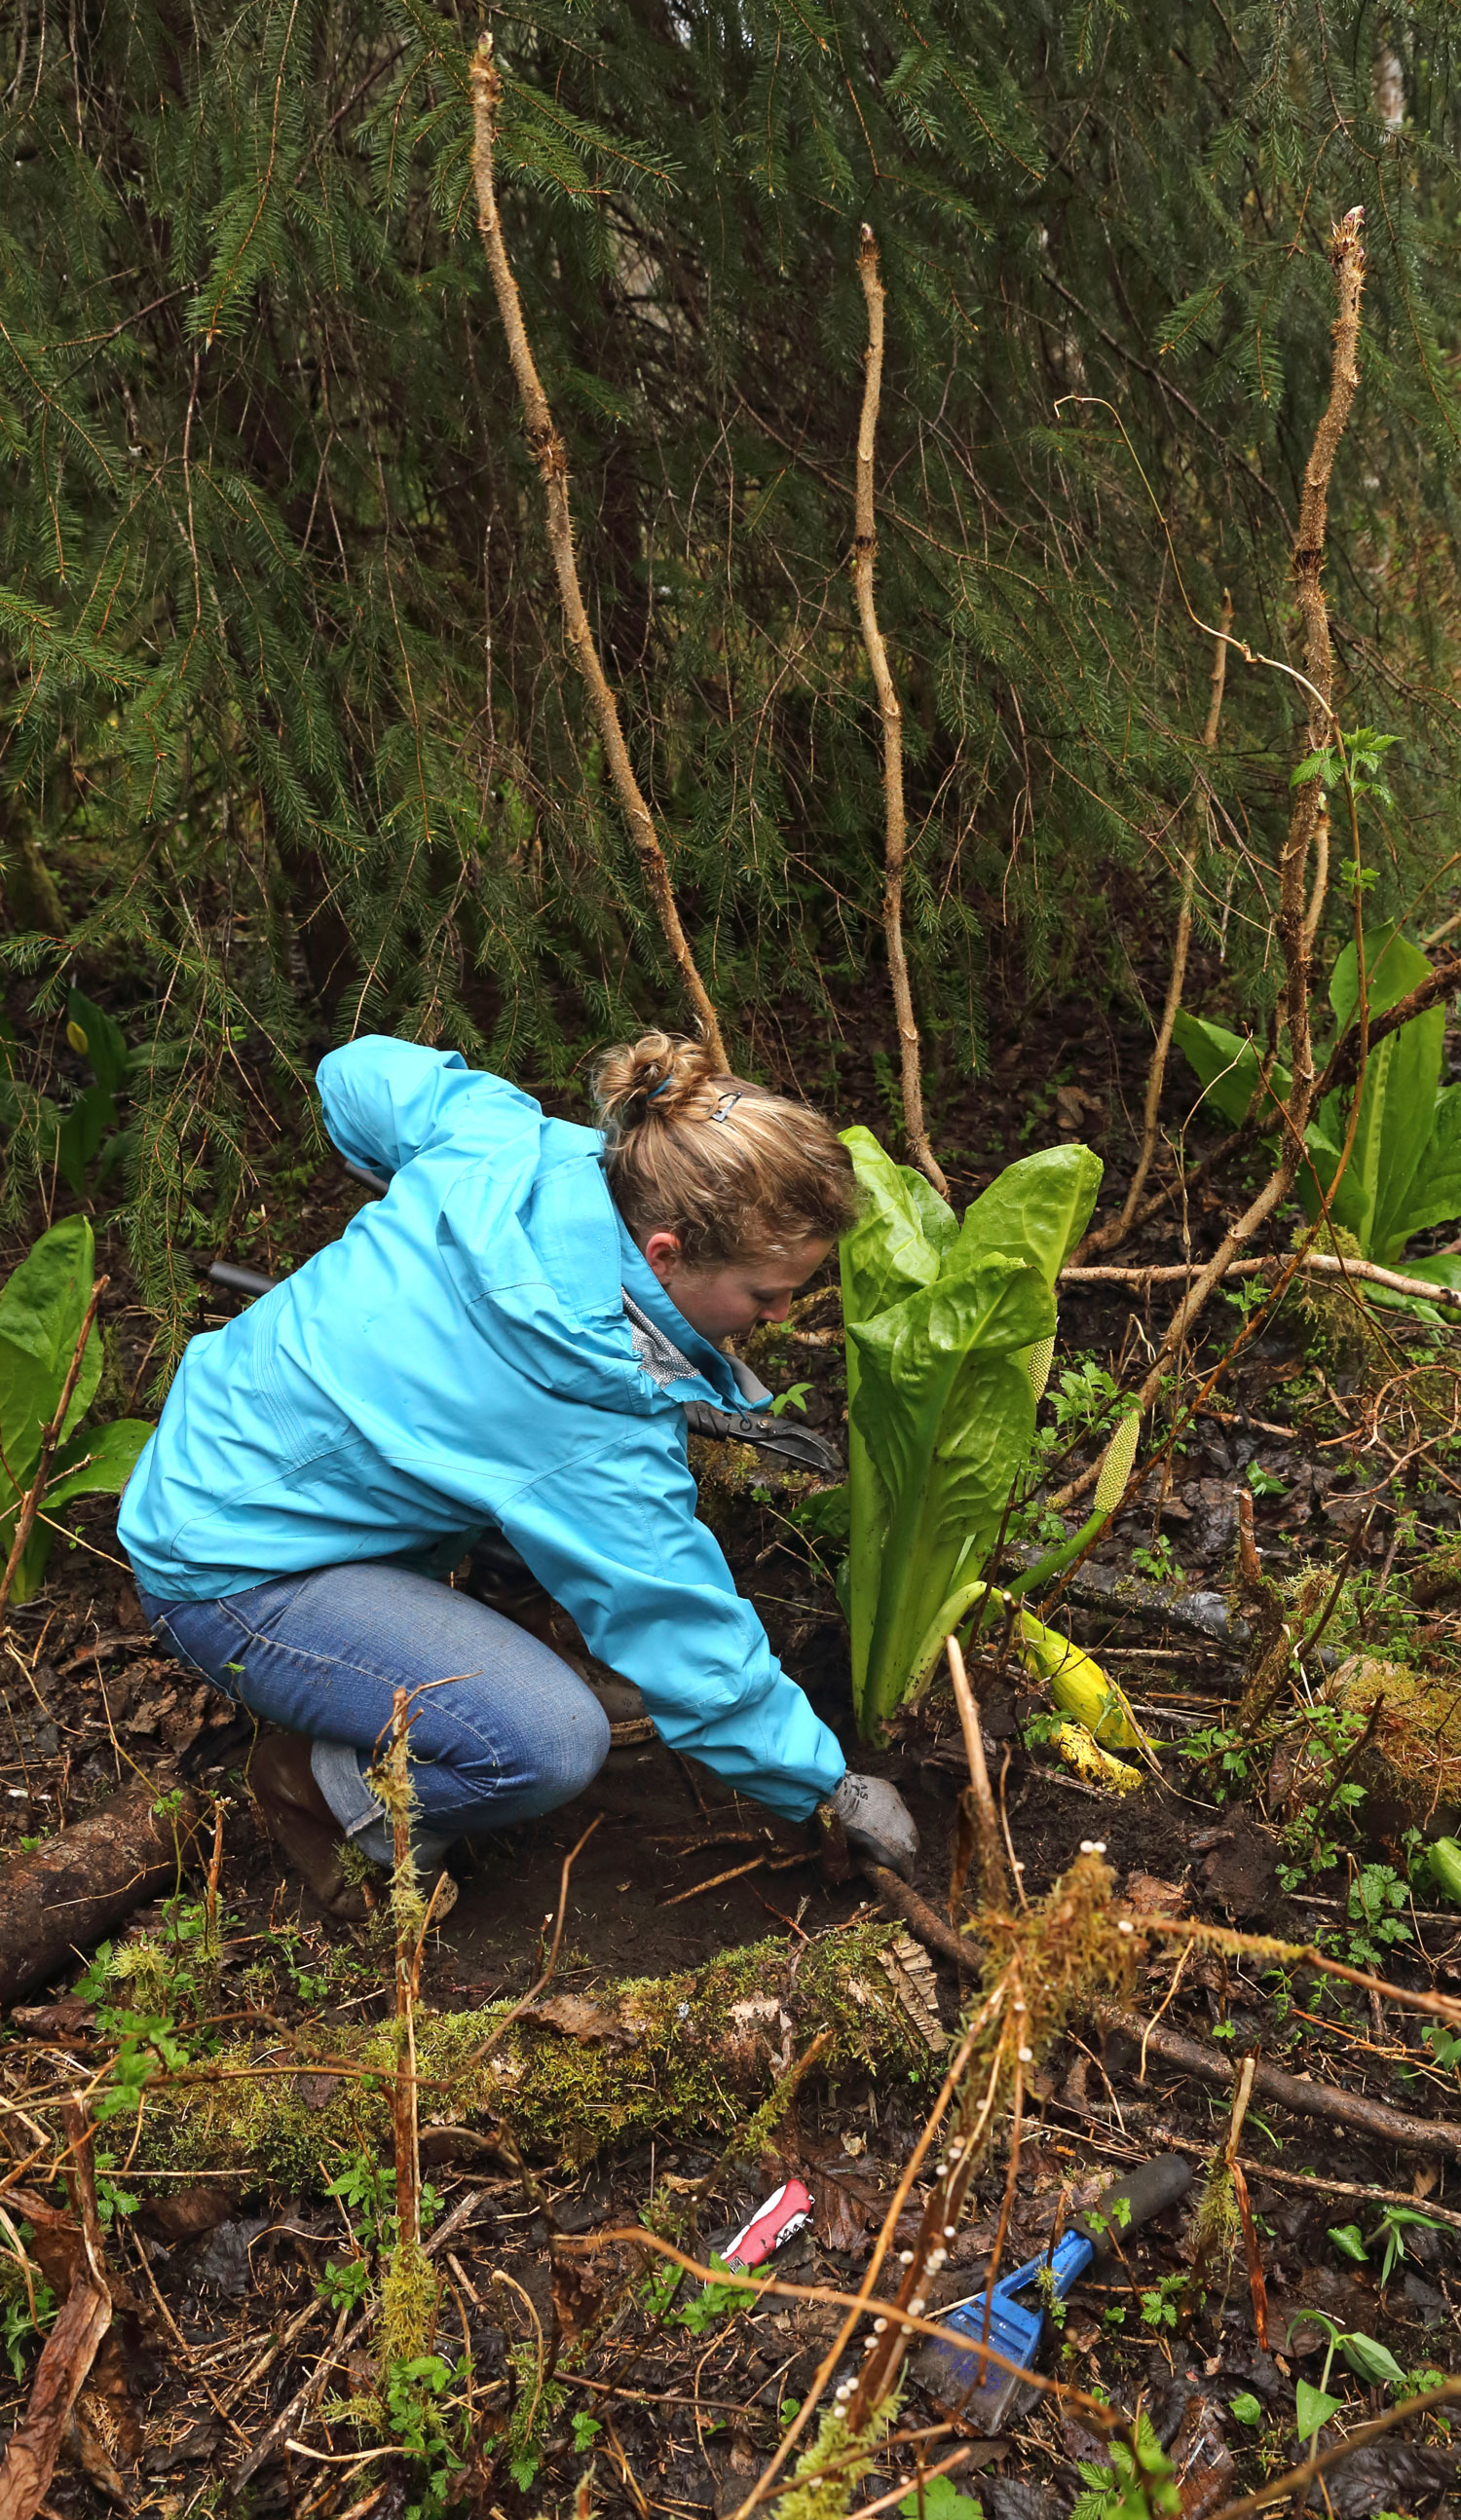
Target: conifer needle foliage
pixel 291 745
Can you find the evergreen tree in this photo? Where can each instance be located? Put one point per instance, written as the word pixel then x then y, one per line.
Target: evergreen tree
pixel 292 745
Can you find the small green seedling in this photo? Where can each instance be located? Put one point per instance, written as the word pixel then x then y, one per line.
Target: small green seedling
pixel 939 2499
pixel 1394 2223
pixel 1139 2489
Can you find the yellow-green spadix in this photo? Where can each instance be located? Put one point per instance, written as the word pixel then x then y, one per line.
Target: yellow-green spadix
pixel 1079 1687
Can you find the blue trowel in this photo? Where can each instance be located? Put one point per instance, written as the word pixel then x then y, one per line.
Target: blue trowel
pixel 967 2381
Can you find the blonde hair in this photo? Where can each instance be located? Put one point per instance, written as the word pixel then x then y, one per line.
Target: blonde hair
pixel 736 1172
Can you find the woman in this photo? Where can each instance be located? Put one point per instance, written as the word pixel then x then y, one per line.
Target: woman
pixel 503 1345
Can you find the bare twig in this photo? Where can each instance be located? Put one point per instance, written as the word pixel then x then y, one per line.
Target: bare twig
pixel 1303 2099
pixel 551 458
pixel 1321 1264
pixel 896 843
pixel 31 1502
pixel 1107 1237
pixel 995 1886
pixel 551 1962
pixel 405 1899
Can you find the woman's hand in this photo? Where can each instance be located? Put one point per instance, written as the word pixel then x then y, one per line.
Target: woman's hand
pixel 878 1822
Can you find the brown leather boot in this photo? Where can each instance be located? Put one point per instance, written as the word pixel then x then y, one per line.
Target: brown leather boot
pixel 301 1823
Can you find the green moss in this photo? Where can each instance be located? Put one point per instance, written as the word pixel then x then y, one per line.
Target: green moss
pixel 696 2052
pixel 408 2303
pixel 1338 1322
pixel 829 2471
pixel 1416 1745
pixel 725 1474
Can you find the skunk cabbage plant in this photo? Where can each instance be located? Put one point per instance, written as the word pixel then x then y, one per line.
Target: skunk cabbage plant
pixel 1404 1169
pixel 42 1307
pixel 948 1331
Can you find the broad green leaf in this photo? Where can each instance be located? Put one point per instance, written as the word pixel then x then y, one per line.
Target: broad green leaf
pixel 101 1044
pixel 896 1246
pixel 940 2500
pixel 1246 2408
pixel 1228 1067
pixel 1376 1199
pixel 824 1514
pixel 1444 1269
pixel 1434 1193
pixel 1397 1114
pixel 97 1464
pixel 1443 1855
pixel 1371 2361
pixel 80 1134
pixel 1394 967
pixel 900 1236
pixel 1313 2408
pixel 1036 1210
pixel 42 1306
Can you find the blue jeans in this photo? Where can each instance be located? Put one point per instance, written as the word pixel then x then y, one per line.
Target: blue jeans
pixel 501 1729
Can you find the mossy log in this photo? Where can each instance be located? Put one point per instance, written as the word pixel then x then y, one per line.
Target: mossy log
pixel 695 2053
pixel 60 1896
pixel 1410 1767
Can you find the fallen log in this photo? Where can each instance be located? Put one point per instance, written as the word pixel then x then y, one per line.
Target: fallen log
pixel 1348 2109
pixel 59 1900
pixel 692 2053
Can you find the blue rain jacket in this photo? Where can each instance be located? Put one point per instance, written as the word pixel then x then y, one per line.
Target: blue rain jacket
pixel 460 1359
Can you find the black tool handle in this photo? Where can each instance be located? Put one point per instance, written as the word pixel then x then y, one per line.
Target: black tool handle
pixel 1144 2191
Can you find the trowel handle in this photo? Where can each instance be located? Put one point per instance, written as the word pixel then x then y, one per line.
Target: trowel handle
pixel 1144 2191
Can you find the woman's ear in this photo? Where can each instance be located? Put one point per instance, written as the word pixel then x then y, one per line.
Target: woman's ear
pixel 663 1254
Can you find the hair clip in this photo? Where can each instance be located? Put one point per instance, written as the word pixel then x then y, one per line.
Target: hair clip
pixel 724 1109
pixel 656 1091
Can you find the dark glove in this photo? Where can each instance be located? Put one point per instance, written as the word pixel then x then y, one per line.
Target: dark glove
pixel 878 1822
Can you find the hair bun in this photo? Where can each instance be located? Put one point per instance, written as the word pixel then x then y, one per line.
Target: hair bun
pixel 662 1076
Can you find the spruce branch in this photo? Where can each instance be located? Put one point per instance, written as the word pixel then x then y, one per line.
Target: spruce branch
pixel 551 458
pixel 895 845
pixel 1347 253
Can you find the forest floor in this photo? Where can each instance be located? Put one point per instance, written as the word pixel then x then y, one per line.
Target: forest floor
pixel 556 2366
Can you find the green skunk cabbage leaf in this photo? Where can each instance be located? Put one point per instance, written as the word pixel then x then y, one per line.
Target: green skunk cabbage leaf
pixel 901 1236
pixel 1037 1209
pixel 101 1044
pixel 945 1416
pixel 1434 1196
pixel 1385 1188
pixel 42 1307
pixel 1394 967
pixel 1228 1067
pixel 99 1464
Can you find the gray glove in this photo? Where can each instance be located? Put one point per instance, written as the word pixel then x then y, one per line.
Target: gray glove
pixel 878 1822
